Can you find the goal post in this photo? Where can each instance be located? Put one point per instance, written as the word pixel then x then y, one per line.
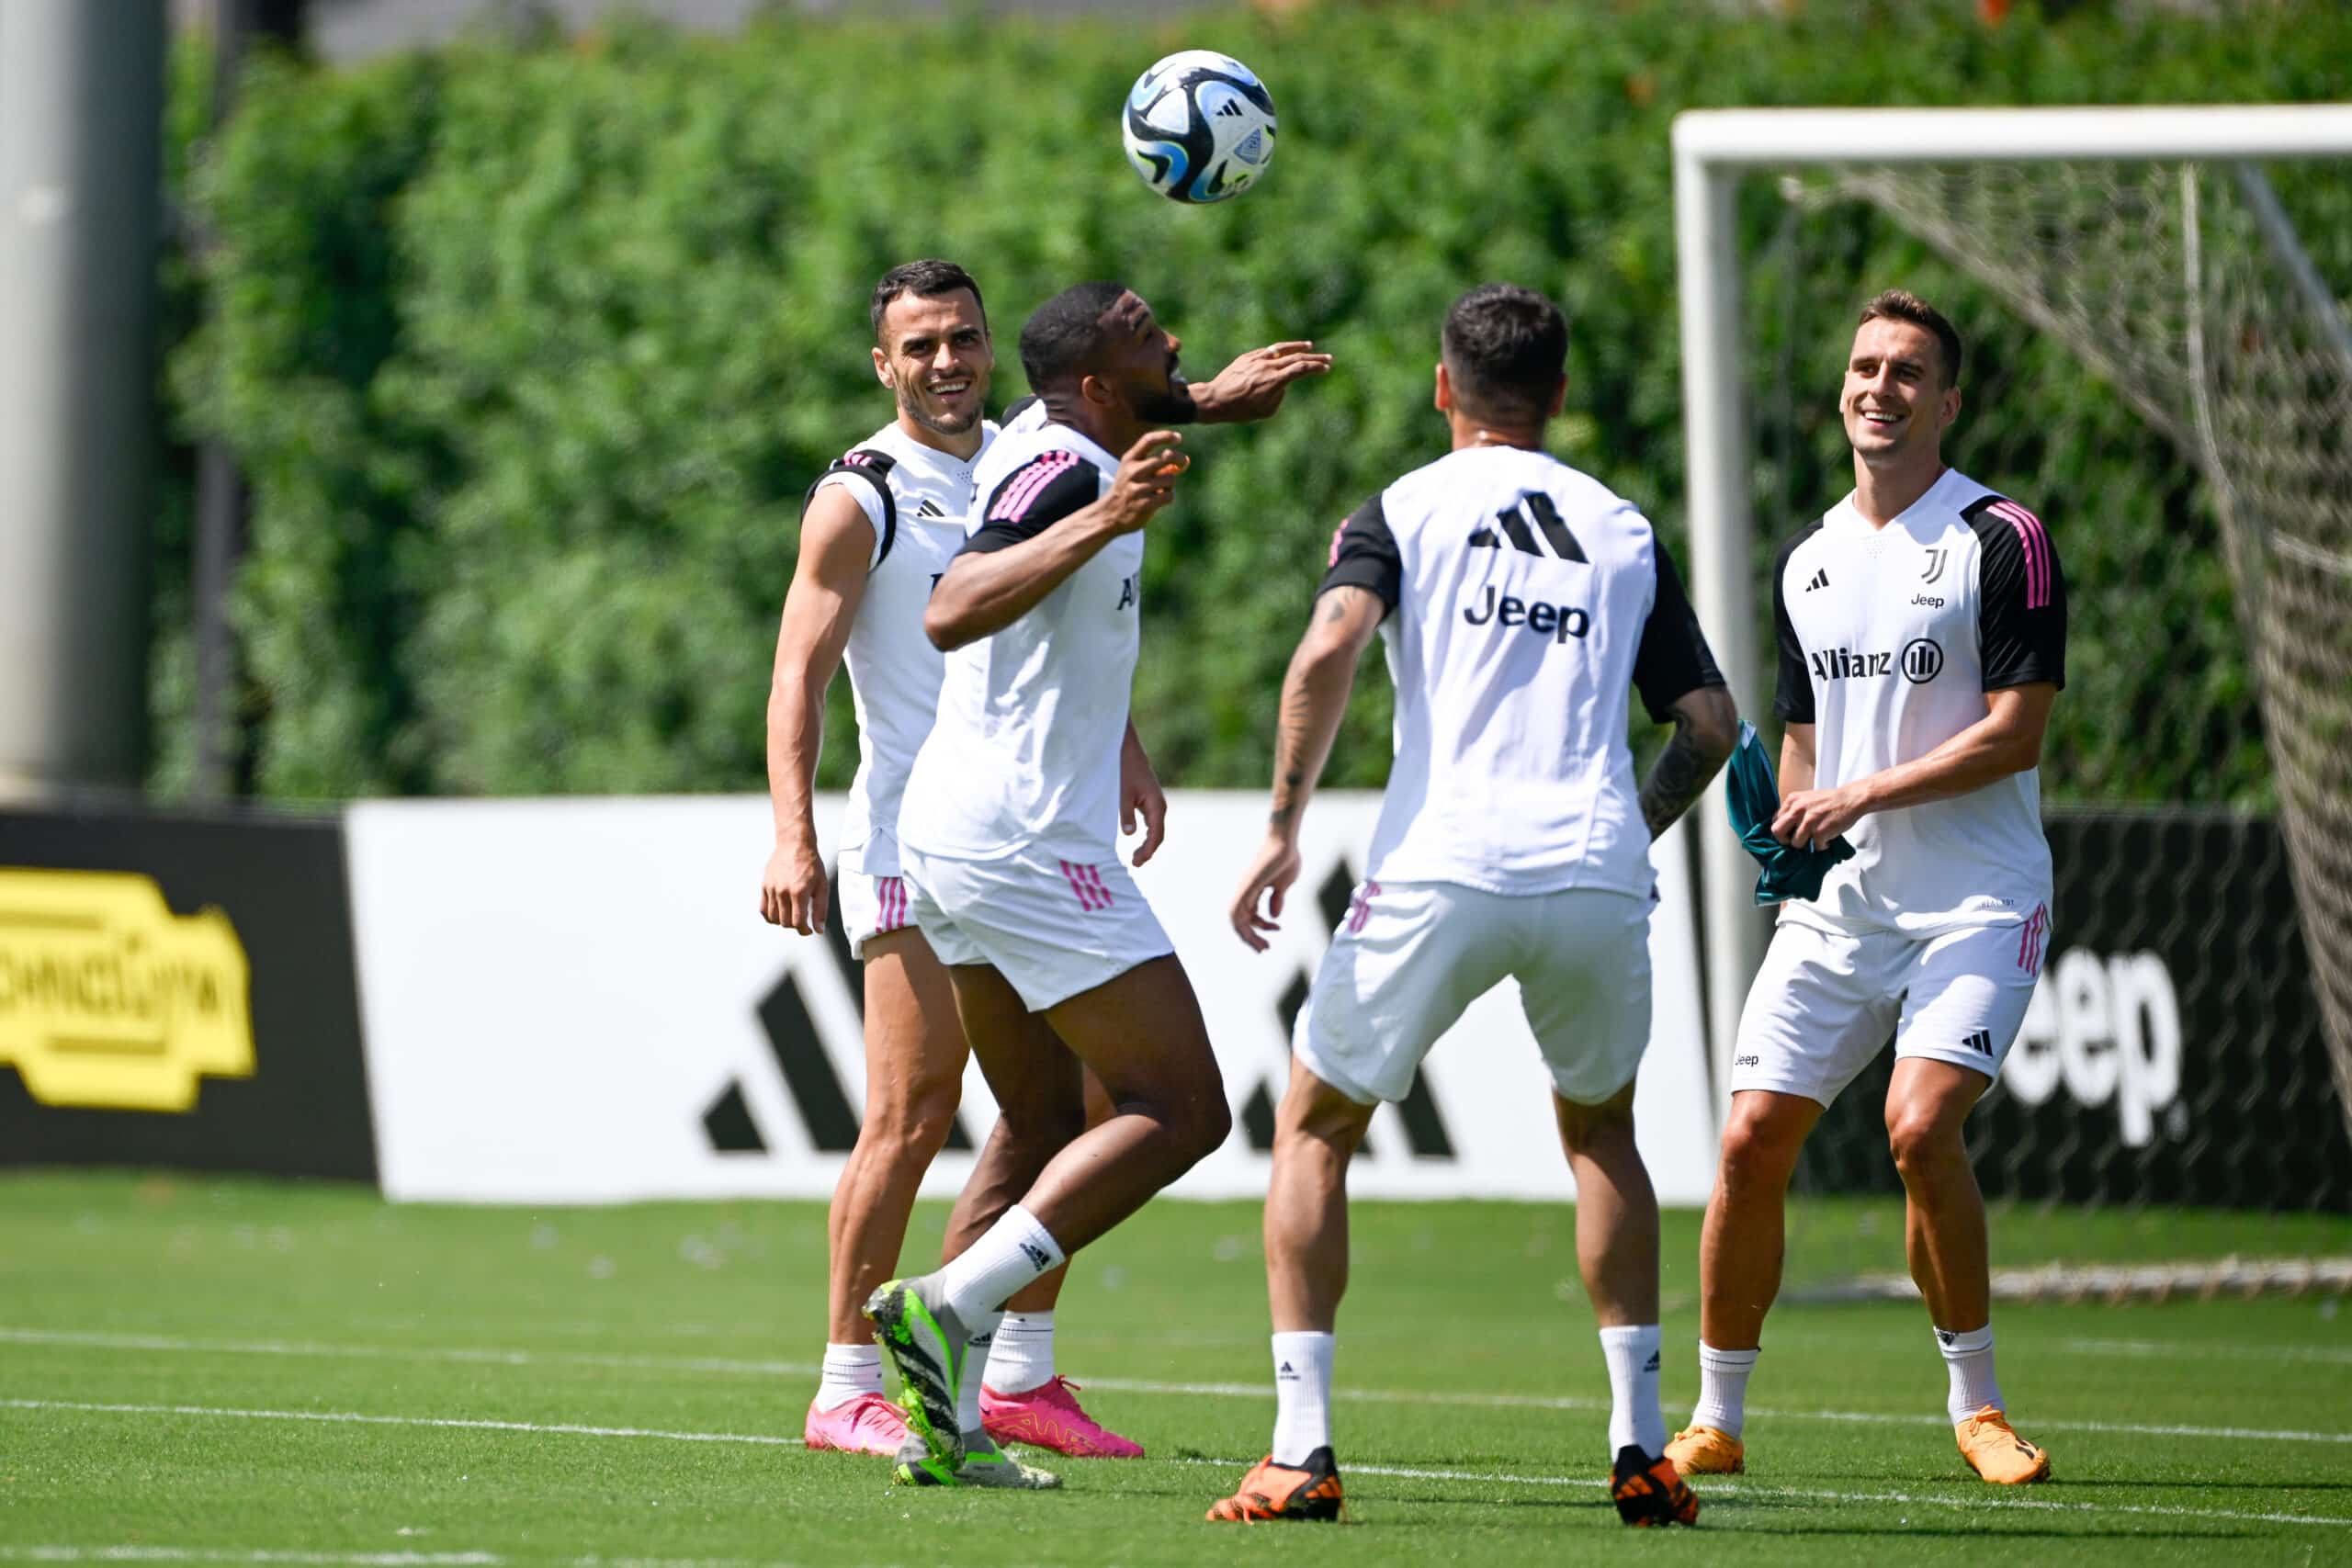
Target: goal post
pixel 2286 520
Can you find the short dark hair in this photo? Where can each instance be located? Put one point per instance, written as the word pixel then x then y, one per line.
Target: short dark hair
pixel 1506 348
pixel 925 280
pixel 1902 305
pixel 1065 335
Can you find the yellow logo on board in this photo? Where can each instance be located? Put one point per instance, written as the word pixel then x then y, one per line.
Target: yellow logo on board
pixel 108 999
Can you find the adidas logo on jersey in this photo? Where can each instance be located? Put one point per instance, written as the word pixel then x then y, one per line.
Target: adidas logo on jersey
pixel 1820 580
pixel 1558 622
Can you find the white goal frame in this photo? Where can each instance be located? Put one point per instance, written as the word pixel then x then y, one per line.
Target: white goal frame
pixel 1712 149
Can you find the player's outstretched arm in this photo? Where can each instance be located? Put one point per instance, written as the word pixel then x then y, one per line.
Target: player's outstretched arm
pixel 994 583
pixel 1315 698
pixel 1252 385
pixel 827 582
pixel 1706 728
pixel 2006 740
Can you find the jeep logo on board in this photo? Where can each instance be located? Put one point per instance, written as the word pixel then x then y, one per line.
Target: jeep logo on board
pixel 2106 1029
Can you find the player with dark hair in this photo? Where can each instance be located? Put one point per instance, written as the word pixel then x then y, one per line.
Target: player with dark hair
pixel 1522 603
pixel 1008 830
pixel 878 526
pixel 1922 631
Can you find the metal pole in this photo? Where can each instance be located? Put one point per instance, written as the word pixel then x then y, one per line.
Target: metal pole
pixel 81 104
pixel 1716 424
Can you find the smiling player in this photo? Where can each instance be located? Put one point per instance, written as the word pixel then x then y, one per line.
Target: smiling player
pixel 1922 626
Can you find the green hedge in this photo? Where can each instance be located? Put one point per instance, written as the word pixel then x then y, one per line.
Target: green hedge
pixel 530 353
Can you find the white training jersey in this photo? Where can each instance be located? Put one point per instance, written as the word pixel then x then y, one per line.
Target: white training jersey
pixel 1025 753
pixel 1889 639
pixel 1526 601
pixel 916 497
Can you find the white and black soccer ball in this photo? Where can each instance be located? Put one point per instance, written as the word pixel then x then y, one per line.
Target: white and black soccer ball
pixel 1199 126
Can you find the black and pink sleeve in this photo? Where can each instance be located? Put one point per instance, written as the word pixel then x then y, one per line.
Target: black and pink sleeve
pixel 2020 597
pixel 1038 493
pixel 1365 555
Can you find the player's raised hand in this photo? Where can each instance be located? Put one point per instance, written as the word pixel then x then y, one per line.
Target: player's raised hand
pixel 793 890
pixel 1270 874
pixel 1146 480
pixel 1252 385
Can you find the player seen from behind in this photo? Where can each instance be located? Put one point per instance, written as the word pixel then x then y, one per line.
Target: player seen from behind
pixel 1922 628
pixel 1009 833
pixel 878 528
pixel 1522 603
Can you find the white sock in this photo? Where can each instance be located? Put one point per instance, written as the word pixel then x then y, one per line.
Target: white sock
pixel 981 1277
pixel 976 1359
pixel 1968 1358
pixel 1723 1388
pixel 1302 1395
pixel 849 1370
pixel 1022 1356
pixel 1633 1415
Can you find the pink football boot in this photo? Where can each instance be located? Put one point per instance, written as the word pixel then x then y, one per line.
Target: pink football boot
pixel 1047 1417
pixel 866 1424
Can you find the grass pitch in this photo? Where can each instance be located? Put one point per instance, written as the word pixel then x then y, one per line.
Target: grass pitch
pixel 199 1370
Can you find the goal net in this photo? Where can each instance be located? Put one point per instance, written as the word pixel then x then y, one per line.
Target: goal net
pixel 2159 362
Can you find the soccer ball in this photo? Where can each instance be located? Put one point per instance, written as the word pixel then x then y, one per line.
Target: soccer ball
pixel 1199 126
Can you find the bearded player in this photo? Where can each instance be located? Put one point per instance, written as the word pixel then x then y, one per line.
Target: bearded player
pixel 880 525
pixel 1009 833
pixel 1922 629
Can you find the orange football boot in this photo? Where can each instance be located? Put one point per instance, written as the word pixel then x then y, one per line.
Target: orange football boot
pixel 1994 1451
pixel 1650 1492
pixel 1273 1491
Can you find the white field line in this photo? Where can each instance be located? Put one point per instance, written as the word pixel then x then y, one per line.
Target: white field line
pixel 2190 1350
pixel 1454 1398
pixel 272 1555
pixel 347 1418
pixel 232 1554
pixel 1710 1487
pixel 1985 1506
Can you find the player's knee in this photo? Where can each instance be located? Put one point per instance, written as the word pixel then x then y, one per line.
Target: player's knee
pixel 1758 1154
pixel 1921 1139
pixel 1198 1121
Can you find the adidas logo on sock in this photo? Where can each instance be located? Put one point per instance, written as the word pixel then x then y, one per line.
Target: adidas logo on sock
pixel 1820 580
pixel 1653 1364
pixel 1946 1336
pixel 1034 1253
pixel 1287 1371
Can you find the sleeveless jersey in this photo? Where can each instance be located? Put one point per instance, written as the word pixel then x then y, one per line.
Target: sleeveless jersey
pixel 916 497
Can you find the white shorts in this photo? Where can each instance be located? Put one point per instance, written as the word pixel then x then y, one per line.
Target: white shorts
pixel 1409 957
pixel 1825 1002
pixel 870 905
pixel 1050 927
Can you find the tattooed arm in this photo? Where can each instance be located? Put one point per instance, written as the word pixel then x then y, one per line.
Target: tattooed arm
pixel 1315 698
pixel 1706 728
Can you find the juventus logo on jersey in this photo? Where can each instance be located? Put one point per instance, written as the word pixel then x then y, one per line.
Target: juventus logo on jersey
pixel 1936 558
pixel 1532 507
